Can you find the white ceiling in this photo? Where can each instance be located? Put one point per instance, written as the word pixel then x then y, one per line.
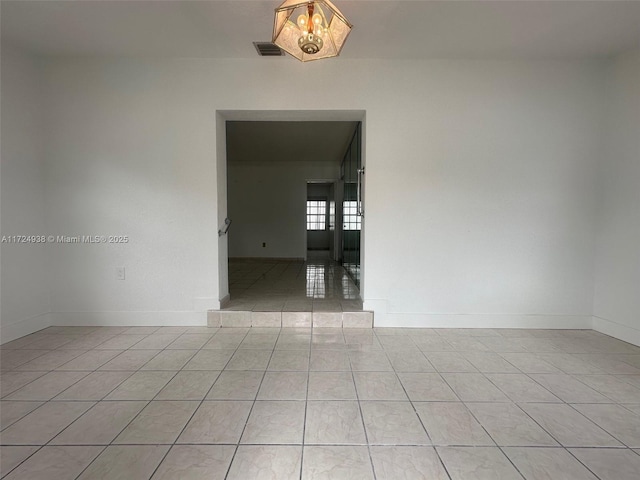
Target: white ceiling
pixel 288 141
pixel 476 29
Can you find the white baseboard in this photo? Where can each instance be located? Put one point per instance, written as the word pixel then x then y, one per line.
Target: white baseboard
pixel 133 319
pixel 431 320
pixel 379 307
pixel 617 330
pixel 387 319
pixel 224 301
pixel 24 327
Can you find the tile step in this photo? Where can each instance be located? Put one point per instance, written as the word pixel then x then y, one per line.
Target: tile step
pixel 245 318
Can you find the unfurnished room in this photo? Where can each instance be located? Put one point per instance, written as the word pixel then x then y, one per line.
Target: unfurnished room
pixel 320 240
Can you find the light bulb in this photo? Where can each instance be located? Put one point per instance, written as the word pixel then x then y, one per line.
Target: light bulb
pixel 317 19
pixel 302 22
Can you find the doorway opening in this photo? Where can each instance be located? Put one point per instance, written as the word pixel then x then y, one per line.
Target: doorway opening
pixel 322 235
pixel 285 186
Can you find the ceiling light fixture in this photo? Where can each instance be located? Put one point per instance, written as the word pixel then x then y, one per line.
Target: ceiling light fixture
pixel 314 35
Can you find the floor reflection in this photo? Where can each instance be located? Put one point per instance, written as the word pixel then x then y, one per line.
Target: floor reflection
pixel 319 284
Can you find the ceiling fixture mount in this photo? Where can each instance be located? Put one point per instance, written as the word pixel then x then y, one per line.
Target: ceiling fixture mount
pixel 315 34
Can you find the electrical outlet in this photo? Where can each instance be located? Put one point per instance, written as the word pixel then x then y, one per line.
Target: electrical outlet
pixel 120 275
pixel 264 244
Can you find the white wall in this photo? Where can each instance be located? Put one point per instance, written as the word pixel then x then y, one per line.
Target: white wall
pixel 130 153
pixel 617 280
pixel 479 185
pixel 267 204
pixel 24 286
pixel 485 204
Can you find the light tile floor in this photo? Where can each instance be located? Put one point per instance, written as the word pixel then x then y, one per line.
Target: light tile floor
pixel 319 284
pixel 194 403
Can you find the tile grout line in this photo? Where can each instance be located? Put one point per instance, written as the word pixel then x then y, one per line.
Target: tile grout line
pixel 47 401
pixel 158 393
pixel 255 399
pixel 306 406
pixel 139 412
pixel 364 427
pixel 501 447
pixel 563 402
pixel 413 407
pixel 205 395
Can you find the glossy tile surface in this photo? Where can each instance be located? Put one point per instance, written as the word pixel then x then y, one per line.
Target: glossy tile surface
pixel 315 285
pixel 195 462
pixel 332 422
pixel 407 462
pixel 610 463
pixel 56 463
pixel 101 424
pixel 159 422
pixel 302 403
pixel 133 462
pixel 548 464
pixel 508 424
pixel 477 463
pixel 336 463
pixel 266 462
pixel 451 424
pixel 393 423
pixel 275 422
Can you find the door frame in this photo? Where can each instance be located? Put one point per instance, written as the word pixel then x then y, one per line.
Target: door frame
pixel 222 117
